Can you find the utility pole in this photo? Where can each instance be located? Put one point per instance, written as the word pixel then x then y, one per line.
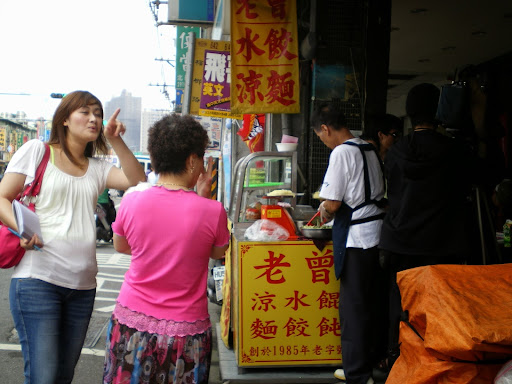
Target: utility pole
pixel 168 61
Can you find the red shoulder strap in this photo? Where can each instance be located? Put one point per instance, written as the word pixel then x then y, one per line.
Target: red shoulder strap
pixel 35 186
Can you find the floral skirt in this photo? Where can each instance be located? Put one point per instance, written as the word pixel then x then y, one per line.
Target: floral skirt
pixel 135 357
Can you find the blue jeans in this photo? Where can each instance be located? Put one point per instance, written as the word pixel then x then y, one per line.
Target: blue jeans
pixel 52 322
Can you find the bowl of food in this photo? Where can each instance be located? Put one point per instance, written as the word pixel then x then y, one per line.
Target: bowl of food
pixel 323 232
pixel 286 147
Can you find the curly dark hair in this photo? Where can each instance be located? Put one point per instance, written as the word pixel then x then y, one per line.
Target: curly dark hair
pixel 172 139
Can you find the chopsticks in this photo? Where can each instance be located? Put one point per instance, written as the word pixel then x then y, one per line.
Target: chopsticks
pixel 313 218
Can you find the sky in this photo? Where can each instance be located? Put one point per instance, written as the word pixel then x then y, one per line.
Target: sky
pixel 102 46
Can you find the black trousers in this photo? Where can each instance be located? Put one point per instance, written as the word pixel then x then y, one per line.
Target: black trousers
pixel 363 313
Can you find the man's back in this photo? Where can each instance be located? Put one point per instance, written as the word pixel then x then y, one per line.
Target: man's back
pixel 427 190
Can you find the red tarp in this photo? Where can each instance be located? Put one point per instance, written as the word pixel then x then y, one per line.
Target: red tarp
pixel 464 314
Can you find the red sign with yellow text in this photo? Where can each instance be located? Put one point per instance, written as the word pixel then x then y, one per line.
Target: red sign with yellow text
pixel 264 57
pixel 288 301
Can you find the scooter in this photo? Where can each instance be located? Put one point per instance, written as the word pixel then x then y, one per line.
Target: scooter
pixel 103 227
pixel 215 280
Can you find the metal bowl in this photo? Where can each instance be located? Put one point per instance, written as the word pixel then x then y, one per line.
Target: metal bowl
pixel 317 233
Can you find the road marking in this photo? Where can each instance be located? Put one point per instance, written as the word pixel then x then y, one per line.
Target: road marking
pixel 85 351
pixel 103 304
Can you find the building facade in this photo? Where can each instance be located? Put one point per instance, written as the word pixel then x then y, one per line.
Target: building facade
pixel 130 115
pixel 149 117
pixel 13 134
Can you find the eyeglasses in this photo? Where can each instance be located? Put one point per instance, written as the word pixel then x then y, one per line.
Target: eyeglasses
pixel 395 134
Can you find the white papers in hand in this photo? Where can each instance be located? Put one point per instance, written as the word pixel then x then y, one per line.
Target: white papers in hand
pixel 26 220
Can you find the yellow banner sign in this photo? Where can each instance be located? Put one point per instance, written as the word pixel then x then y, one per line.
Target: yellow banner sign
pixel 2 139
pixel 288 305
pixel 264 57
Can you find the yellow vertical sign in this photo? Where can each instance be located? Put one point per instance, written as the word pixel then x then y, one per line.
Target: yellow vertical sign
pixel 264 57
pixel 13 142
pixel 287 305
pixel 2 139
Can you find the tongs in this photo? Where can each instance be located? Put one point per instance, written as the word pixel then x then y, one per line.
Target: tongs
pixel 317 214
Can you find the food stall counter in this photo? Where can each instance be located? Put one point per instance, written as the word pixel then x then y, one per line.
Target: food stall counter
pixel 280 298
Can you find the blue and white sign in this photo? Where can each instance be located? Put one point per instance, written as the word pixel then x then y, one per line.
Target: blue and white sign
pixel 191 12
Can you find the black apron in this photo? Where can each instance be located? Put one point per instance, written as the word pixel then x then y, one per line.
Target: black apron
pixel 343 217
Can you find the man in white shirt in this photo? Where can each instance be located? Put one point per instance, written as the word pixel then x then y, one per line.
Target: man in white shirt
pixel 352 190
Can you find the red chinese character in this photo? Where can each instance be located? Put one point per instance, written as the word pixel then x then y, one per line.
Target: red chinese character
pixel 317 350
pixel 253 351
pixel 330 349
pixel 248 44
pixel 296 301
pixel 320 266
pixel 278 45
pixel 328 300
pixel 278 8
pixel 265 351
pixel 280 88
pixel 264 330
pixel 304 349
pixel 246 6
pixel 272 268
pixel 296 327
pixel 251 85
pixel 326 328
pixel 264 302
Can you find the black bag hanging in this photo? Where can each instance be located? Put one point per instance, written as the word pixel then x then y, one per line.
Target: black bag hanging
pixel 454 108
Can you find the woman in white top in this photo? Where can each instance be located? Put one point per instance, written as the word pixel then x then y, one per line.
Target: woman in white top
pixel 52 291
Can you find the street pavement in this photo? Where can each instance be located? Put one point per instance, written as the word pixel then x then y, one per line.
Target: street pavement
pixel 112 267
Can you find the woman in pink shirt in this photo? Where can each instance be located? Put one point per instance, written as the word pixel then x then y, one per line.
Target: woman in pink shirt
pixel 160 331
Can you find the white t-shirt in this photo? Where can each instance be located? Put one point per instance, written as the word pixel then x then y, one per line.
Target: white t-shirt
pixel 344 181
pixel 152 178
pixel 65 206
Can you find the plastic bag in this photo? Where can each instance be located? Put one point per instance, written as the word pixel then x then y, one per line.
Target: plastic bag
pixel 266 230
pixel 504 376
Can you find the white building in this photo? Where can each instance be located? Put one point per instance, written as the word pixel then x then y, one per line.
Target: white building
pixel 149 117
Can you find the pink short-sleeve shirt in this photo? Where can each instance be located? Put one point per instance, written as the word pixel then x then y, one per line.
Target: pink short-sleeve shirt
pixel 171 234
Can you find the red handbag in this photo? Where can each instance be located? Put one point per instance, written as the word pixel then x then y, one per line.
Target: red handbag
pixel 11 251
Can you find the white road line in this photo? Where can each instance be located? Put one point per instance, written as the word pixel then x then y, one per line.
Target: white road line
pixel 104 260
pixel 85 351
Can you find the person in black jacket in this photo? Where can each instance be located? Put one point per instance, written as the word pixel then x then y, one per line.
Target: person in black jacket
pixel 428 185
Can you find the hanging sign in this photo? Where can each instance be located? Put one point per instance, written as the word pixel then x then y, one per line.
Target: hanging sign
pixel 210 90
pixel 2 138
pixel 265 57
pixel 191 12
pixel 182 45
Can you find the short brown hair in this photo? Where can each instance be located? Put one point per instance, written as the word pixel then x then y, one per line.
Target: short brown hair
pixel 70 103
